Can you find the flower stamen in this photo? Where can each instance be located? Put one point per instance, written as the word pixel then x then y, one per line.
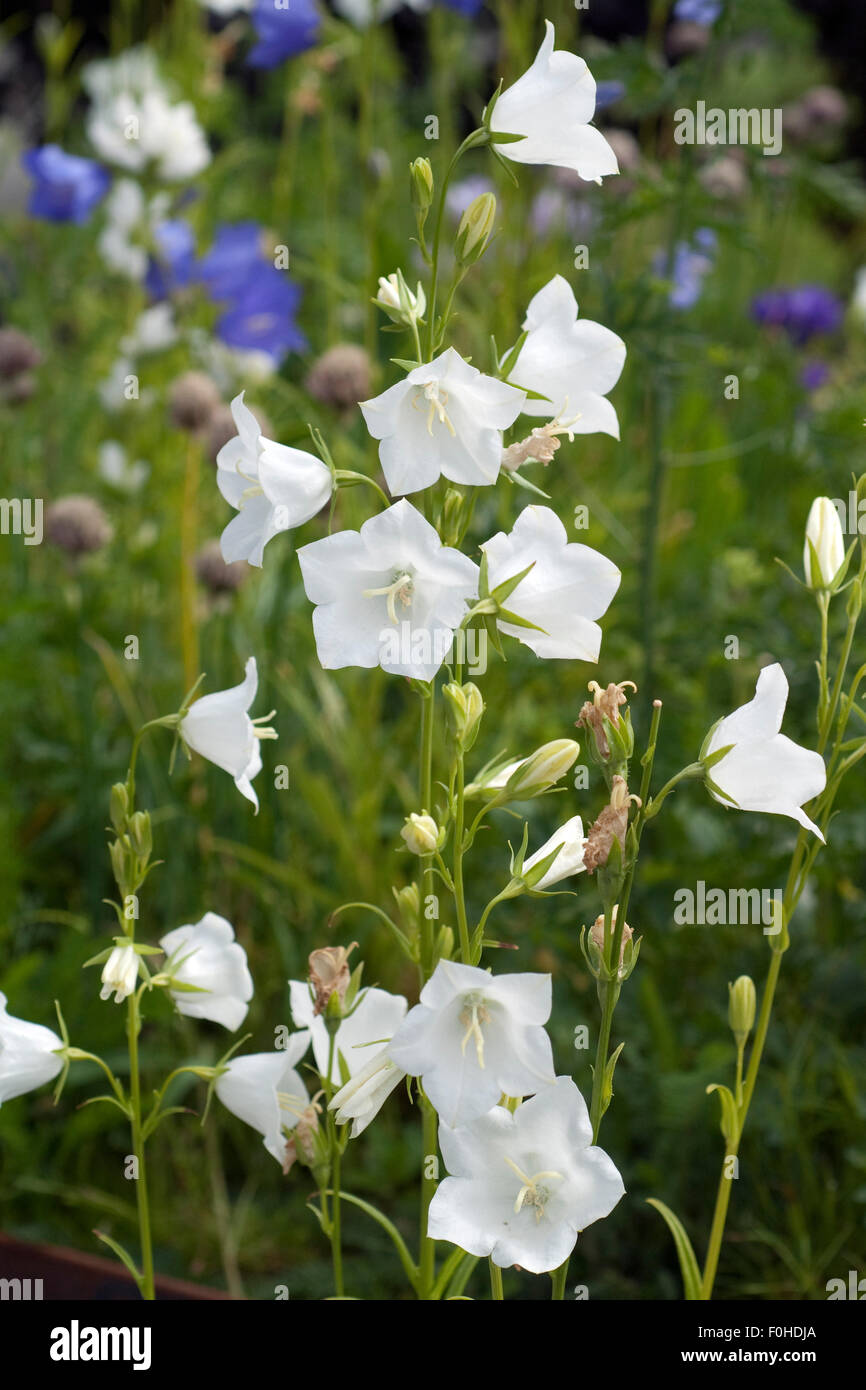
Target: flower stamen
pixel 401 589
pixel 474 1013
pixel 531 1194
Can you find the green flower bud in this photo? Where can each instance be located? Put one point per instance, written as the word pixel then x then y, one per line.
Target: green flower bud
pixel 408 901
pixel 741 1007
pixel 451 520
pixel 476 226
pixel 421 185
pixel 119 806
pixel 139 833
pixel 465 708
pixel 421 834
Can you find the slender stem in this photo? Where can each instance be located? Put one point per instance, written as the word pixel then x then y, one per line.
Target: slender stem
pixel 427 1252
pixel 133 1023
pixel 428 712
pixel 559 1276
pixel 496 1282
pixel 335 1225
pixel 459 896
pixel 188 623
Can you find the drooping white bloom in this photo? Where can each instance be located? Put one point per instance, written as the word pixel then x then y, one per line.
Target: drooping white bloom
pixel 551 105
pixel 824 531
pixel 206 955
pixel 361 1099
pixel 765 770
pixel 475 1036
pixel 219 728
pixel 274 488
pixel 568 587
pixel 27 1055
pixel 361 1037
pixel 573 362
pixel 389 595
pixel 571 840
pixel 120 973
pixel 444 419
pixel 522 1186
pixel 267 1093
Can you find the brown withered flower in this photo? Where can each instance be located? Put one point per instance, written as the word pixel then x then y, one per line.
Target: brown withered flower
pixel 301 1144
pixel 604 704
pixel 611 825
pixel 330 973
pixel 596 931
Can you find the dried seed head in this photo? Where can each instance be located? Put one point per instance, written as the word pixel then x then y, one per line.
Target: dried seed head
pixel 215 574
pixel 341 377
pixel 611 825
pixel 596 931
pixel 605 704
pixel 193 401
pixel 77 524
pixel 329 973
pixel 18 353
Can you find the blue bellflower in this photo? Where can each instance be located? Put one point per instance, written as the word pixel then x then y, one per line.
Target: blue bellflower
pixel 66 187
pixel 283 28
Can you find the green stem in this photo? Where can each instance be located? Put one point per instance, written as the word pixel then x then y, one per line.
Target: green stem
pixel 496 1282
pixel 427 1252
pixel 459 895
pixel 428 712
pixel 559 1276
pixel 133 1024
pixel 335 1224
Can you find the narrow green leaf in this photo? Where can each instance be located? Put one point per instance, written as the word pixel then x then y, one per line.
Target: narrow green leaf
pixel 686 1255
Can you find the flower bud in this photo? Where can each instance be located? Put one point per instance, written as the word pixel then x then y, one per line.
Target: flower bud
pixel 421 184
pixel 408 902
pixel 741 1007
pixel 465 708
pixel 451 522
pixel 120 973
pixel 398 301
pixel 824 536
pixel 194 399
pixel 475 229
pixel 330 976
pixel 118 806
pixel 140 836
pixel 543 769
pixel 421 834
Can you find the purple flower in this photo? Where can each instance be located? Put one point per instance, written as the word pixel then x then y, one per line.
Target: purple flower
pixel 283 28
pixel 813 375
pixel 66 187
pixel 261 301
pixel 467 7
pixel 261 319
pixel 704 12
pixel 691 262
pixel 237 251
pixel 803 312
pixel 606 93
pixel 174 263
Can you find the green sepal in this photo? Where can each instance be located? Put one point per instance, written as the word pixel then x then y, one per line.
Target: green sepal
pixel 730 1121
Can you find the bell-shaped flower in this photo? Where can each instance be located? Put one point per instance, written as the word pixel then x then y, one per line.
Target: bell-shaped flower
pixel 764 770
pixel 120 973
pixel 389 595
pixel 28 1055
pixel 569 841
pixel 551 106
pixel 573 362
pixel 475 1036
pixel 523 1185
pixel 274 488
pixel 207 958
pixel 444 419
pixel 362 1035
pixel 824 541
pixel 569 586
pixel 265 1091
pixel 361 1099
pixel 219 728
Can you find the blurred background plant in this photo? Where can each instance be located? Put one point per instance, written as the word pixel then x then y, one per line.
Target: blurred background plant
pixel 257 272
